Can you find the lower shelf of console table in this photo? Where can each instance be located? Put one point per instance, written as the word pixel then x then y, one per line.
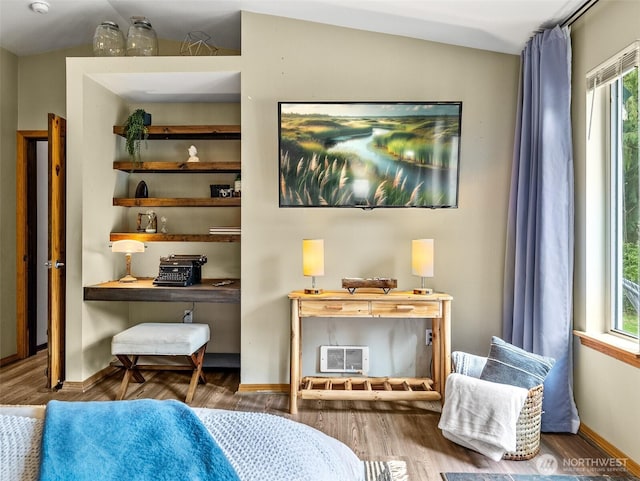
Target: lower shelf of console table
pixel 368 388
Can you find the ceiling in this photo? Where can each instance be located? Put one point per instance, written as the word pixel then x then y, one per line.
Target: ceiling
pixel 496 25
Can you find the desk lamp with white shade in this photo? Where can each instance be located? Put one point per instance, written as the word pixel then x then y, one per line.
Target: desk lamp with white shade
pixel 128 246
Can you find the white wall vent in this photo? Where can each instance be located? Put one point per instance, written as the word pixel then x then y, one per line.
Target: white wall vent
pixel 344 359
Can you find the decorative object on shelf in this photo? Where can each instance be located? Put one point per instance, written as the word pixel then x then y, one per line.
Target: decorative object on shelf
pixel 193 157
pixel 108 40
pixel 384 283
pixel 313 262
pixel 180 270
pixel 142 191
pixel 224 230
pixel 217 188
pixel 422 261
pixel 197 43
pixel 136 131
pixel 237 186
pixel 128 246
pixel 141 38
pixel 139 226
pixel 152 222
pixel 163 226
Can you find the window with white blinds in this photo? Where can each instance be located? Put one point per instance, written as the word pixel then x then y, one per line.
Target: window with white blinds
pixel 615 67
pixel 615 82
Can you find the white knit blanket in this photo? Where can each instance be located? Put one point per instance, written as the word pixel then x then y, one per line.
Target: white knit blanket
pixel 261 447
pixel 20 447
pixel 481 415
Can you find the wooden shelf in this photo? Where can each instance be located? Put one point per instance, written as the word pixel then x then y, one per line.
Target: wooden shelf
pixel 144 290
pixel 222 132
pixel 144 237
pixel 178 167
pixel 366 388
pixel 178 202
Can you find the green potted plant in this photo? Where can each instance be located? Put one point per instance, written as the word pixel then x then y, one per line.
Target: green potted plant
pixel 136 131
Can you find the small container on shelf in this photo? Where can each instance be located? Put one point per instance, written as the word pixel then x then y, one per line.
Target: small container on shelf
pixel 141 38
pixel 108 40
pixel 217 188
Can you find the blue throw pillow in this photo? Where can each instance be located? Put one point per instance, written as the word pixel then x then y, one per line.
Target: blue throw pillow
pixel 508 364
pixel 468 364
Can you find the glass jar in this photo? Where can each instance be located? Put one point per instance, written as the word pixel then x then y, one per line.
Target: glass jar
pixel 108 40
pixel 141 38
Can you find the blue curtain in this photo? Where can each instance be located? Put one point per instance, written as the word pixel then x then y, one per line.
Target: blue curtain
pixel 538 291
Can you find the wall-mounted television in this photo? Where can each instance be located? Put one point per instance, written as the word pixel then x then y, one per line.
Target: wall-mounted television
pixel 369 154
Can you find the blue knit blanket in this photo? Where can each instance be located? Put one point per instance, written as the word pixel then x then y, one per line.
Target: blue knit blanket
pixel 129 440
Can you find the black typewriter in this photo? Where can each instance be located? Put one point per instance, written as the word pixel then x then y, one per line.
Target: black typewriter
pixel 180 270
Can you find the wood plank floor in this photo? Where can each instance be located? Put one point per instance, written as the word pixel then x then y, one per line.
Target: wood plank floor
pixel 378 431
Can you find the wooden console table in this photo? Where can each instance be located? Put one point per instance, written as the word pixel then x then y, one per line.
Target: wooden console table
pixel 371 303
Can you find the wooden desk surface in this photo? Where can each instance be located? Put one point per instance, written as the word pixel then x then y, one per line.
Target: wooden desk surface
pixel 144 290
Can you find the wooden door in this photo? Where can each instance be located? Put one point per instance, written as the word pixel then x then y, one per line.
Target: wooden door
pixel 26 267
pixel 57 254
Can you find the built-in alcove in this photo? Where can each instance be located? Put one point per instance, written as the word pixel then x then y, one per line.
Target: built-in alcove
pixel 185 91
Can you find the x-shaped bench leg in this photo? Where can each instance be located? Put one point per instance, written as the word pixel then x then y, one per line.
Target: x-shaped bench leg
pixel 198 376
pixel 131 370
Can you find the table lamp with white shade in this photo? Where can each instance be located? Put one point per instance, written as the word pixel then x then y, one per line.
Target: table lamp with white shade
pixel 128 246
pixel 422 263
pixel 313 262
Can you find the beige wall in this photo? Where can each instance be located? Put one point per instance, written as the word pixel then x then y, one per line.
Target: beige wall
pixel 307 61
pixel 8 125
pixel 607 391
pixel 26 100
pixel 324 63
pixel 37 96
pixel 469 240
pixel 42 81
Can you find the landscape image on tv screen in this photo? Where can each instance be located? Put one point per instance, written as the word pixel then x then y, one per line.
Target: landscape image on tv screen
pixel 369 155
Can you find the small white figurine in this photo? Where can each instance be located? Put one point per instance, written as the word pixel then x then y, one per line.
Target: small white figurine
pixel 163 228
pixel 192 154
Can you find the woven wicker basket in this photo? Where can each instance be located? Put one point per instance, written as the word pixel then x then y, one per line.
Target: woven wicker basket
pixel 528 427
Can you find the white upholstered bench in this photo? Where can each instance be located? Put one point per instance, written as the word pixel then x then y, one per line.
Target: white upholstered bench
pixel 161 339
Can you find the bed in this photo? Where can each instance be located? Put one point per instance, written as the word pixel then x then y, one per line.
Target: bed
pixel 151 439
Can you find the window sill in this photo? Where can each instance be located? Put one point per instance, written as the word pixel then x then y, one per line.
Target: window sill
pixel 616 347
